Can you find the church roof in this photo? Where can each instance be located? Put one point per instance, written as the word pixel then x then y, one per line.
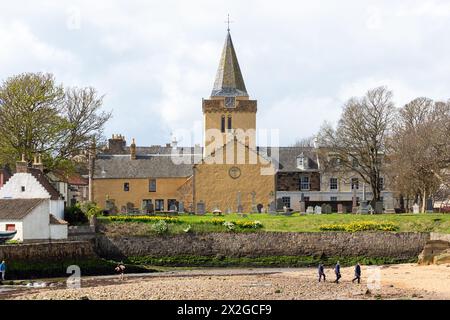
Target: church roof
pixel 144 166
pixel 229 81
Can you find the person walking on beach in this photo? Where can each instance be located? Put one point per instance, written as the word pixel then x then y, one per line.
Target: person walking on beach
pixel 337 271
pixel 3 269
pixel 120 269
pixel 357 273
pixel 321 272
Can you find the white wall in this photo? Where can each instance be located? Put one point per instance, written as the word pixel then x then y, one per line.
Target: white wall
pixel 19 228
pixel 57 208
pixel 36 224
pixel 59 231
pixel 33 189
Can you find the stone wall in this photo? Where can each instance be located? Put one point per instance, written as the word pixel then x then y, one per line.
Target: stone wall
pixel 47 251
pixel 290 181
pixel 369 244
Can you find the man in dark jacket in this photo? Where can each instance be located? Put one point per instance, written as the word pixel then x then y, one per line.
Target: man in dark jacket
pixel 321 272
pixel 357 273
pixel 337 271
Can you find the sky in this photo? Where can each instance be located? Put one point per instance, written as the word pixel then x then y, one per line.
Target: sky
pixel 154 61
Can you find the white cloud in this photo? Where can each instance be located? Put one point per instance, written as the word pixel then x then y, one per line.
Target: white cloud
pixel 300 59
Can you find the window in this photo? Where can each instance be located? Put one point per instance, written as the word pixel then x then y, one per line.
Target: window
pixel 152 185
pixel 333 183
pixel 355 183
pixel 302 162
pixel 229 122
pixel 286 201
pixel 172 205
pixel 304 183
pixel 222 124
pixel 126 186
pixel 159 205
pixel 22 188
pixel 381 183
pixel 147 205
pixel 10 227
pixel 334 199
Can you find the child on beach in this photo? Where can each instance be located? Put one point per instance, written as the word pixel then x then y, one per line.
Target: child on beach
pixel 120 269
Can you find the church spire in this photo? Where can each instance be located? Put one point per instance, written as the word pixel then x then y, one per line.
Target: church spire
pixel 229 81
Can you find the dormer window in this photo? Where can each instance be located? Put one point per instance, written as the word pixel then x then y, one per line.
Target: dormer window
pixel 302 162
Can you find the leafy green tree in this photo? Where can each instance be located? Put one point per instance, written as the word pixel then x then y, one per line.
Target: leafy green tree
pixel 37 115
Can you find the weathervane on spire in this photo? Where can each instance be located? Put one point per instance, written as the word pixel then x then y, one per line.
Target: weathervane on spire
pixel 228 22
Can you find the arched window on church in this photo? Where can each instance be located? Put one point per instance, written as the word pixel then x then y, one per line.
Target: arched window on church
pixel 222 124
pixel 229 123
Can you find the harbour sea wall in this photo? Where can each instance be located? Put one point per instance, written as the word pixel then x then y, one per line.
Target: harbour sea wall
pixel 259 244
pixel 252 245
pixel 47 251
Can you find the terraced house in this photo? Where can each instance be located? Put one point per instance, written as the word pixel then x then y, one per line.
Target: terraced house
pixel 228 173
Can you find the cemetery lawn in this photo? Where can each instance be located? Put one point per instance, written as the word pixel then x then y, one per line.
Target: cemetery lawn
pixel 294 223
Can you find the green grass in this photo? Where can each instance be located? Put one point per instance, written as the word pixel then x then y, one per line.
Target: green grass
pixel 268 261
pixel 310 223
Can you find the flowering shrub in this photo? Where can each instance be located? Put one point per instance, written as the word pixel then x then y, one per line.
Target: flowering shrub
pixel 160 227
pixel 143 219
pixel 249 224
pixel 215 221
pixel 229 225
pixel 360 226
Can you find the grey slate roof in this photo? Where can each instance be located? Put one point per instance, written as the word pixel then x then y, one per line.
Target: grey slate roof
pixel 16 209
pixel 144 166
pixel 229 81
pixel 156 162
pixel 287 157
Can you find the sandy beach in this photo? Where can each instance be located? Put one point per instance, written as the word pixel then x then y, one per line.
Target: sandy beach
pixel 406 281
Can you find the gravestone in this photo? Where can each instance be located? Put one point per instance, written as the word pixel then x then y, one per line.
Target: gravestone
pixel 254 207
pixel 200 208
pixel 272 207
pixel 302 206
pixel 429 206
pixel 181 206
pixel 326 208
pixel 363 208
pixel 340 208
pixel 317 210
pixel 379 207
pixel 416 208
pixel 310 210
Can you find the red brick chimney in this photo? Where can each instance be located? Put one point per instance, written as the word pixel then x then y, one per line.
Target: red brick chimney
pixel 22 165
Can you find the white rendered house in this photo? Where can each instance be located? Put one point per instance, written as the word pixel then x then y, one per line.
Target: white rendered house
pixel 30 183
pixel 31 219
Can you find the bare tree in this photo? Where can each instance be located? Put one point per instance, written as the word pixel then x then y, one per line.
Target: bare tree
pixel 359 141
pixel 420 155
pixel 305 142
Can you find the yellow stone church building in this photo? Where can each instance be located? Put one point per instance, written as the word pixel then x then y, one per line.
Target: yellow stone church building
pixel 229 173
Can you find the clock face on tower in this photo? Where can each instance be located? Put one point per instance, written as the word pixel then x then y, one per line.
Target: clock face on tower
pixel 234 172
pixel 229 102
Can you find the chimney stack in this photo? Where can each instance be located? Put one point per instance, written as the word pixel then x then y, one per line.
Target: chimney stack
pixel 133 150
pixel 37 163
pixel 22 165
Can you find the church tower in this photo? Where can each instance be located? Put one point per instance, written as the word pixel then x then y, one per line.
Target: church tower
pixel 228 113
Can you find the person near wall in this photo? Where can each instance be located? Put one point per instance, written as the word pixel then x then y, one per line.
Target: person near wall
pixel 3 269
pixel 321 272
pixel 357 273
pixel 337 271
